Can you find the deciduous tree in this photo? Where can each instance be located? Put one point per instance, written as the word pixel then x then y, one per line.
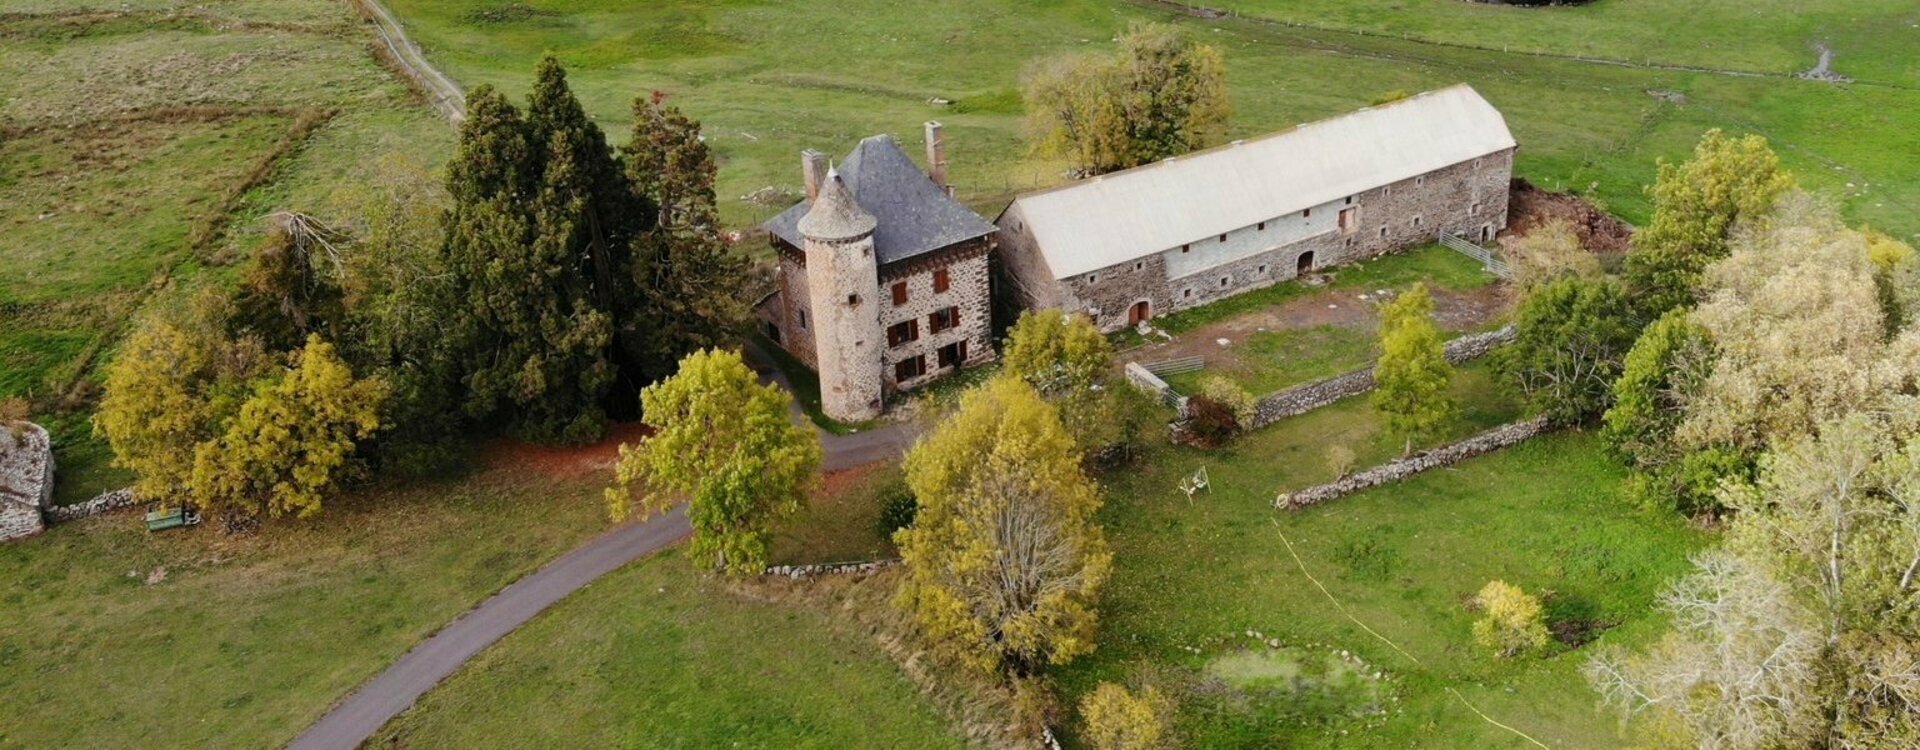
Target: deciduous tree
pixel 1161 95
pixel 1070 363
pixel 1511 621
pixel 723 440
pixel 1003 561
pixel 292 441
pixel 1413 372
pixel 1571 337
pixel 1696 206
pixel 1119 719
pixel 1548 252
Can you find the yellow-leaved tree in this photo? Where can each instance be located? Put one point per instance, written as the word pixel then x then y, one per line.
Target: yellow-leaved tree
pixel 1159 95
pixel 723 439
pixel 293 441
pixel 1413 372
pixel 1119 719
pixel 1003 560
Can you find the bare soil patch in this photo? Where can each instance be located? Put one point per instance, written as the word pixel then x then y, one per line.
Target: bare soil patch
pixel 560 462
pixel 1530 206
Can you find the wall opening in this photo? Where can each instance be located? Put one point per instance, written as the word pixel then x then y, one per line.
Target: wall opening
pixel 1141 312
pixel 1305 264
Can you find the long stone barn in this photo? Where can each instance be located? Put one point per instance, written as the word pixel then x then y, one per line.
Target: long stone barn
pixel 1179 233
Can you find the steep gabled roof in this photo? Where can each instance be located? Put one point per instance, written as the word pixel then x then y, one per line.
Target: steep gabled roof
pixel 915 216
pixel 1114 218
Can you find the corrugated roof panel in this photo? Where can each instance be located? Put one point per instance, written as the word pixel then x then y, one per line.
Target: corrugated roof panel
pixel 1114 218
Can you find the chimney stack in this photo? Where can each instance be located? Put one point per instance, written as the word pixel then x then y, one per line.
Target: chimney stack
pixel 813 168
pixel 937 156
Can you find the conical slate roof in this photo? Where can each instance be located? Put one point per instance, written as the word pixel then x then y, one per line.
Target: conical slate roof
pixel 915 216
pixel 836 215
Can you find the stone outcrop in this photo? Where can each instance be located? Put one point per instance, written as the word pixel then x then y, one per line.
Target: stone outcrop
pixel 26 479
pixel 1394 471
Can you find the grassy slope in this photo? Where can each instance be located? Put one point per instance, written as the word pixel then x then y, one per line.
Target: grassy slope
pixel 658 655
pixel 1400 558
pixel 247 640
pixel 94 217
pixel 770 79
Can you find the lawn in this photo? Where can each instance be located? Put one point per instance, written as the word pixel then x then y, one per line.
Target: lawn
pixel 144 145
pixel 769 79
pixel 1280 359
pixel 661 655
pixel 117 638
pixel 1192 581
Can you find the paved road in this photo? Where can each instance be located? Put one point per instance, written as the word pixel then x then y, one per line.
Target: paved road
pixel 395 690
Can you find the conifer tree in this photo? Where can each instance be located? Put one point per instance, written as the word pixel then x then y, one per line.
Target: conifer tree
pixel 594 212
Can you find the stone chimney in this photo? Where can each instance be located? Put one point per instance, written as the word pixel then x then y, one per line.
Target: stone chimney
pixel 813 168
pixel 937 156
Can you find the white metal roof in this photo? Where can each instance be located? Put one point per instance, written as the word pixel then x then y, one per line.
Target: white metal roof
pixel 1118 217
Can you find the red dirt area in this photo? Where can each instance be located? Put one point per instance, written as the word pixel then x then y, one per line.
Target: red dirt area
pixel 565 461
pixel 1529 206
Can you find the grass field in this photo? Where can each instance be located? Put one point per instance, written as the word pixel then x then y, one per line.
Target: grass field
pixel 142 146
pixel 659 655
pixel 769 79
pixel 1191 581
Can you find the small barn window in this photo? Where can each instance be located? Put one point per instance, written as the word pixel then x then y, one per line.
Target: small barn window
pixel 1186 293
pixel 1223 282
pixel 1263 270
pixel 1092 277
pixel 853 300
pixel 1421 180
pixel 1139 265
pixel 1223 238
pixel 941 280
pixel 1416 222
pixel 1306 213
pixel 899 293
pixel 1383 233
pixel 1261 228
pixel 1476 163
pixel 1186 248
pixel 1473 209
pixel 1349 200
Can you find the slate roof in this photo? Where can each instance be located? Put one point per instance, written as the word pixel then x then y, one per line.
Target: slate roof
pixel 915 216
pixel 1101 221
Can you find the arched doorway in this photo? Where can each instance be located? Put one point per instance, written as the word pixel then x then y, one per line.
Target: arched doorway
pixel 1305 264
pixel 1141 312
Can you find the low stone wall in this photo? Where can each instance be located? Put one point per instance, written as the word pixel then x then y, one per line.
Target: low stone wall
pixel 1305 398
pixel 1394 471
pixel 829 569
pixel 105 501
pixel 26 480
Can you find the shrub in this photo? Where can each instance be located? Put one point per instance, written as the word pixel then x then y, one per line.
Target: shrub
pixel 897 506
pixel 1212 423
pixel 13 416
pixel 1118 719
pixel 1512 623
pixel 1340 460
pixel 1231 395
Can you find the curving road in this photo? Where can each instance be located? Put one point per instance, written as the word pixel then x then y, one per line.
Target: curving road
pixel 393 691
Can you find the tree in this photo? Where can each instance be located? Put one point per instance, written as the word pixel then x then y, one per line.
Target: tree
pixel 292 288
pixel 1511 623
pixel 1666 362
pixel 1003 561
pixel 292 441
pixel 1801 630
pixel 586 207
pixel 1238 401
pixel 175 382
pixel 724 439
pixel 536 348
pixel 1412 374
pixel 1161 95
pixel 1119 719
pixel 1570 338
pixel 1696 206
pixel 688 281
pixel 1070 363
pixel 1548 252
pixel 1894 277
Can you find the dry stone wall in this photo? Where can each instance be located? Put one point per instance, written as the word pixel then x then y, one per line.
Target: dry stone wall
pixel 26 480
pixel 1485 442
pixel 1305 398
pixel 829 569
pixel 105 501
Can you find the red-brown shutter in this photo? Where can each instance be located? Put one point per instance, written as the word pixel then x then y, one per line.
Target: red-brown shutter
pixel 940 280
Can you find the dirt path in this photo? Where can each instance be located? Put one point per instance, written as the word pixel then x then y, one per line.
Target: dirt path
pixel 441 92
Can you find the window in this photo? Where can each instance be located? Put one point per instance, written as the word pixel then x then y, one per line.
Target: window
pixel 1139 265
pixel 1263 270
pixel 1223 238
pixel 1349 200
pixel 1416 222
pixel 1262 227
pixel 1223 282
pixel 803 319
pixel 1186 292
pixel 952 355
pixel 1386 192
pixel 903 332
pixel 941 281
pixel 853 300
pixel 1091 278
pixel 1421 180
pixel 1476 163
pixel 1349 219
pixel 1349 242
pixel 899 293
pixel 942 320
pixel 1383 233
pixel 908 369
pixel 1186 248
pixel 1306 213
pixel 1473 209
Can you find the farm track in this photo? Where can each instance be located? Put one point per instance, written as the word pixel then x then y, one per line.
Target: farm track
pixel 399 51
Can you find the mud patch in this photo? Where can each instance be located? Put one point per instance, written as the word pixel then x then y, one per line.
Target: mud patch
pixel 1599 231
pixel 565 461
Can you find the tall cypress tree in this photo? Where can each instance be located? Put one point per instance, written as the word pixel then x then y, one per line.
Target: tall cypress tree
pixel 688 279
pixel 536 345
pixel 606 212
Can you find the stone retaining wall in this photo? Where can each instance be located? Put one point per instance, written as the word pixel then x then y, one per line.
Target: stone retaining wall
pixel 828 569
pixel 105 501
pixel 1305 398
pixel 1394 471
pixel 26 480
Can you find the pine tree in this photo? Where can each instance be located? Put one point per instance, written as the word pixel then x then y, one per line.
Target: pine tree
pixel 687 278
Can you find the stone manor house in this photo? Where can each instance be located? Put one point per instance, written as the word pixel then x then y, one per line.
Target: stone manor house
pixel 886 282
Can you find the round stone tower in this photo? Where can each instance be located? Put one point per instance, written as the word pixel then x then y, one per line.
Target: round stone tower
pixel 843 276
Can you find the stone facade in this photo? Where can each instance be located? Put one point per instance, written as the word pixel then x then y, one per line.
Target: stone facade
pixel 1468 199
pixel 26 480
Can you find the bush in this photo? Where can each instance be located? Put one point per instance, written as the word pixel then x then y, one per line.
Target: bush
pixel 1340 460
pixel 1231 395
pixel 1512 624
pixel 1212 423
pixel 1118 719
pixel 897 506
